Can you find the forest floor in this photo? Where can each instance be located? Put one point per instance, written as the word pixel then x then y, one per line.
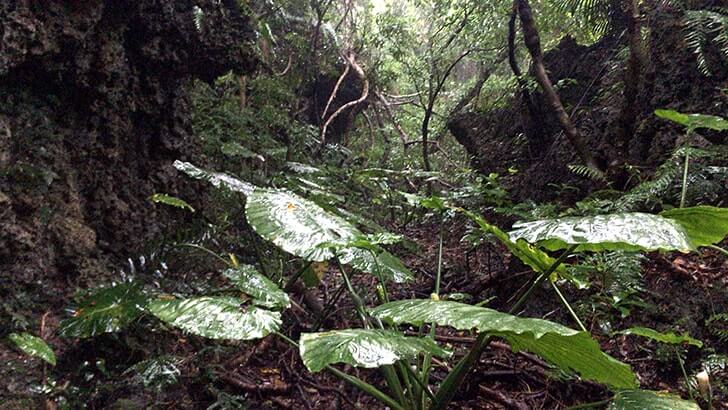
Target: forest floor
pixel 679 289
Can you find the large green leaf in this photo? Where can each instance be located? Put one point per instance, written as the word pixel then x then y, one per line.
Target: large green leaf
pixel 217 317
pixel 263 291
pixel 668 337
pixel 217 179
pixel 296 225
pixel 682 230
pixel 705 225
pixel 33 346
pixel 362 348
pixel 106 310
pixel 566 348
pixel 694 121
pixel 301 227
pixel 632 231
pixel 652 400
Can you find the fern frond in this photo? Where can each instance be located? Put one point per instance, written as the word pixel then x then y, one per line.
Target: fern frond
pixel 596 13
pixel 704 28
pixel 718 326
pixel 587 172
pixel 650 190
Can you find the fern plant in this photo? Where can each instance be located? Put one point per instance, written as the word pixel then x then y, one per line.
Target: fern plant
pixel 706 34
pixel 717 325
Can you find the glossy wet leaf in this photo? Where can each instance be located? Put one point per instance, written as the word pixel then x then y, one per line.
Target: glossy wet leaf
pixel 171 201
pixel 652 400
pixel 300 168
pixel 682 230
pixel 362 348
pixel 217 179
pixel 295 224
pixel 105 311
pixel 33 346
pixel 302 228
pixel 217 317
pixel 694 121
pixel 263 291
pixel 564 347
pixel 391 266
pixel 632 231
pixel 157 373
pixel 668 337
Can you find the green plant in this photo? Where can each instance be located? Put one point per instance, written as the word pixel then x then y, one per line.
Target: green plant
pixel 692 122
pixel 313 234
pixel 33 346
pixel 706 32
pixel 668 338
pixel 718 325
pixel 619 275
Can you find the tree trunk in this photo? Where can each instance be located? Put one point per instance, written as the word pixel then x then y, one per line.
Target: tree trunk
pixel 533 43
pixel 628 114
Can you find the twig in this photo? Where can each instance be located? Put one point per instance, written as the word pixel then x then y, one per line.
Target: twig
pixel 503 399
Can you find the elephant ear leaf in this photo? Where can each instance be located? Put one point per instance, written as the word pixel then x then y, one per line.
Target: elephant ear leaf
pixel 566 348
pixel 646 399
pixel 217 179
pixel 362 348
pixel 217 317
pixel 33 346
pixel 682 230
pixel 106 310
pixel 264 292
pixel 303 228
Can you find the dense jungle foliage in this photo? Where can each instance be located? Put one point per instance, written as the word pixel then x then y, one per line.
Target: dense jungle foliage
pixel 398 204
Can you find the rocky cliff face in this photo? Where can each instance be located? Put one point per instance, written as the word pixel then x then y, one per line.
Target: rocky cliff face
pixel 589 81
pixel 94 108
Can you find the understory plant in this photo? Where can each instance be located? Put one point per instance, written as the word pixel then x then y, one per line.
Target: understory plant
pixel 398 337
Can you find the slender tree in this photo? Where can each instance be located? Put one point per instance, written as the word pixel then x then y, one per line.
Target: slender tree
pixel 533 44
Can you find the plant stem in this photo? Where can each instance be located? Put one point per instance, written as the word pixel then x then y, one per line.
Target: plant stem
pixel 385 296
pixel 719 249
pixel 568 306
pixel 589 405
pixel 366 387
pixel 684 192
pixel 427 359
pixel 294 278
pixel 202 248
pixel 539 280
pixel 452 382
pixel 358 304
pixel 685 374
pixel 329 307
pixel 390 375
